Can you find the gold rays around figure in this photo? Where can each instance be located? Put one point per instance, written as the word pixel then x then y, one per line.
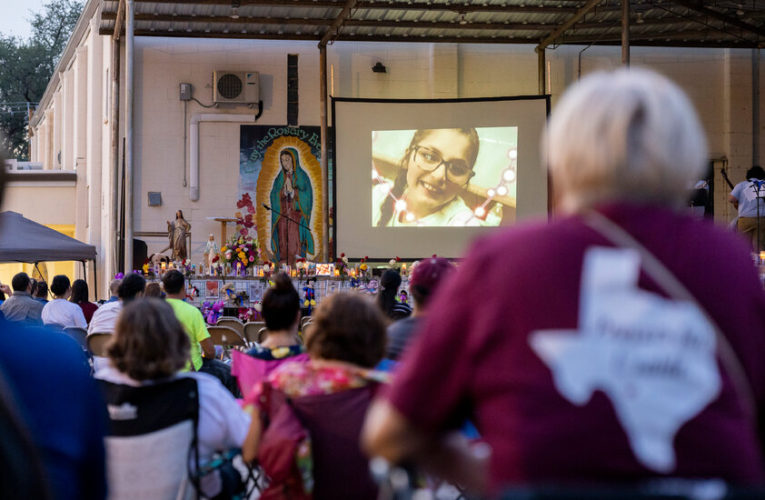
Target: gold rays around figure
pixel 269 170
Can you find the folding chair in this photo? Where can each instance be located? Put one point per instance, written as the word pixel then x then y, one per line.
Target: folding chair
pixel 262 334
pixel 251 330
pixel 226 337
pixel 233 323
pixel 305 320
pixel 97 343
pixel 78 334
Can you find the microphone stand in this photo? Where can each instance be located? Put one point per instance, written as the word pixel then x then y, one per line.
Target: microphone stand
pixel 298 223
pixel 285 216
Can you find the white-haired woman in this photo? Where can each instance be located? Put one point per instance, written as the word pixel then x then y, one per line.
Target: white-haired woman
pixel 620 341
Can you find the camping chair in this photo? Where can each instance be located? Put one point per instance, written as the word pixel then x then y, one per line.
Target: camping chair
pixel 153 431
pixel 251 331
pixel 78 334
pixel 233 323
pixel 226 337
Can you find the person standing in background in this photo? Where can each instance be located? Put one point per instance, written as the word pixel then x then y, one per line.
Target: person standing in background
pixel 748 197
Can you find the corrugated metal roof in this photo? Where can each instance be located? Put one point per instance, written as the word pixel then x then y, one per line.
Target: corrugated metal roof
pixel 716 23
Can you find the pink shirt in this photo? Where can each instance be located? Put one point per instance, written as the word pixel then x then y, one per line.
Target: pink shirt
pixel 473 358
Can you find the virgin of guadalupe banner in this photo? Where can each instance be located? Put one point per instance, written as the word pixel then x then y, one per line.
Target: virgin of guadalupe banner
pixel 280 167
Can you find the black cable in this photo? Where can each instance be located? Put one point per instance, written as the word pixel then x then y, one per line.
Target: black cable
pixel 201 104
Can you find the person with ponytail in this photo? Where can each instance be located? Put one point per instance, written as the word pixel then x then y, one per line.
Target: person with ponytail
pixel 281 313
pixel 436 167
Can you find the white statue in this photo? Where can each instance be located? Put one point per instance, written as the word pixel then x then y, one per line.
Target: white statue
pixel 211 251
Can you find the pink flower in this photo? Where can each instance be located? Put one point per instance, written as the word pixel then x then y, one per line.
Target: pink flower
pixel 252 259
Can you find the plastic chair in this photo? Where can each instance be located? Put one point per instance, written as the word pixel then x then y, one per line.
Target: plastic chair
pixel 233 323
pixel 97 343
pixel 251 331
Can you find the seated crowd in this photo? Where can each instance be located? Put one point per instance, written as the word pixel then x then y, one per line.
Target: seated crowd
pixel 594 348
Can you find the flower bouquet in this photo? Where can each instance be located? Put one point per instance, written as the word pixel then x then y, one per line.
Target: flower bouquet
pixel 241 252
pixel 342 268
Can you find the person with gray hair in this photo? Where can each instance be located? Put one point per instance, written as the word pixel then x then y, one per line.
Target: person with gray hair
pixel 114 288
pixel 611 328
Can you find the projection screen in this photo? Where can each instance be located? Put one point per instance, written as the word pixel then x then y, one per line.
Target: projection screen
pixel 416 178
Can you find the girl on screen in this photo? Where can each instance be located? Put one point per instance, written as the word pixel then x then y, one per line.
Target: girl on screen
pixel 436 167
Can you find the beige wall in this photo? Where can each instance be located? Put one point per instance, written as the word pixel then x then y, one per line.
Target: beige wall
pixel 46 203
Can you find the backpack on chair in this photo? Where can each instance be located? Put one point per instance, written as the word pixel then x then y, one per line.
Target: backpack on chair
pixel 285 449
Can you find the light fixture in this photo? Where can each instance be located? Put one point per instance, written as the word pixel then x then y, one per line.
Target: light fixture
pixel 639 19
pixel 463 20
pixel 379 68
pixel 235 9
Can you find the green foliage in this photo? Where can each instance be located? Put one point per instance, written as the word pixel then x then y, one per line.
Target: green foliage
pixel 26 66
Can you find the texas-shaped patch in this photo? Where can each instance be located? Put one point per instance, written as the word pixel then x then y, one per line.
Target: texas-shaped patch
pixel 653 357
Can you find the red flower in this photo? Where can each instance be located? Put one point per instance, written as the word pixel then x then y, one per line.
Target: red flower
pixel 243 232
pixel 342 255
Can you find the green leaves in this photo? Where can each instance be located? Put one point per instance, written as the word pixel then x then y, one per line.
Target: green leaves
pixel 26 66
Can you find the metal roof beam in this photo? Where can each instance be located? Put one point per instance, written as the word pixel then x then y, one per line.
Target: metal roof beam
pixel 334 31
pixel 315 21
pixel 591 4
pixel 380 5
pixel 699 7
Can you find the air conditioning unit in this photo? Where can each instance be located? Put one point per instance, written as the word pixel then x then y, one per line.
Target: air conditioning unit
pixel 239 87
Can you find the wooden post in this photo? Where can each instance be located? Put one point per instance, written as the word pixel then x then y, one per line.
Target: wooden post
pixel 324 160
pixel 626 32
pixel 541 69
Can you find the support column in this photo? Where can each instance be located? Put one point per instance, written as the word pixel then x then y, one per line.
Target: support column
pixel 130 56
pixel 626 32
pixel 541 69
pixel 324 160
pixel 114 116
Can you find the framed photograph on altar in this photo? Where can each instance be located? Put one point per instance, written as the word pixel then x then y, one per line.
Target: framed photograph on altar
pixel 255 291
pixel 325 269
pixel 199 285
pixel 240 286
pixel 212 289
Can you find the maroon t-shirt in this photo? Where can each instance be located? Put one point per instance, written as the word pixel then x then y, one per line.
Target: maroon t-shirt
pixel 473 358
pixel 88 309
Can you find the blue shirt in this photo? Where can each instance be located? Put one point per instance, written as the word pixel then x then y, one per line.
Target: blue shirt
pixel 746 194
pixel 61 406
